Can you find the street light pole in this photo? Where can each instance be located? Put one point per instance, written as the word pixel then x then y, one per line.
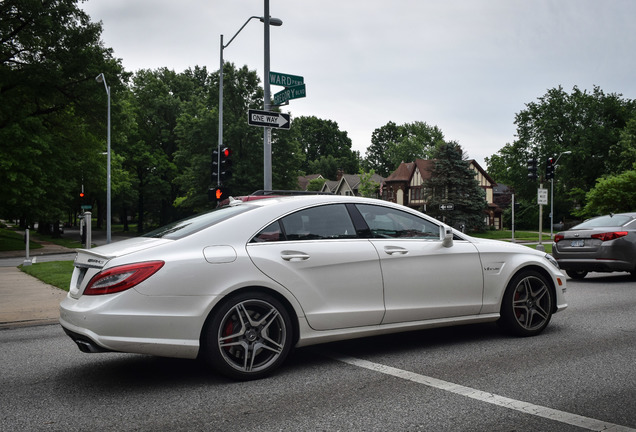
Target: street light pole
pixel 102 78
pixel 267 131
pixel 267 21
pixel 552 195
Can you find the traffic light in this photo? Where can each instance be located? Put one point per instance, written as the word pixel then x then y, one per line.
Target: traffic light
pixel 226 164
pixel 218 193
pixel 532 169
pixel 549 168
pixel 81 194
pixel 221 165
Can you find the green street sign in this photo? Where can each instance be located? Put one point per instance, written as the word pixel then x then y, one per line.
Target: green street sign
pixel 86 207
pixel 293 92
pixel 285 80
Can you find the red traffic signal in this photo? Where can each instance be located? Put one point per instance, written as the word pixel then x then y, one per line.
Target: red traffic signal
pixel 81 194
pixel 226 152
pixel 549 169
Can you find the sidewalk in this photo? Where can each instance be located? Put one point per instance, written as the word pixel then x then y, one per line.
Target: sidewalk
pixel 27 301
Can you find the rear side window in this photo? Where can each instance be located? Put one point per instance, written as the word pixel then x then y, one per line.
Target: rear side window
pixel 191 225
pixel 316 223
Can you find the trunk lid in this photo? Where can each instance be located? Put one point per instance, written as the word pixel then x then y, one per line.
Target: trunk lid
pixel 89 262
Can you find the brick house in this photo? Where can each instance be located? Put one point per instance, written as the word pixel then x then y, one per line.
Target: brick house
pixel 406 186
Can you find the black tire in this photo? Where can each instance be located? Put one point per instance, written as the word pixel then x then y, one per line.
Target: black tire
pixel 248 337
pixel 576 274
pixel 527 304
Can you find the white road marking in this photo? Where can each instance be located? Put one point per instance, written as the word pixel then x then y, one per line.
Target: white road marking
pixel 524 407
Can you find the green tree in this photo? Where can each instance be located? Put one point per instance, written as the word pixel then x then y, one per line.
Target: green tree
pixel 51 109
pixel 197 132
pixel 287 160
pixel 156 98
pixel 316 184
pixel 377 154
pixel 589 124
pixel 612 194
pixel 368 188
pixel 327 166
pixel 453 181
pixel 318 139
pixel 392 145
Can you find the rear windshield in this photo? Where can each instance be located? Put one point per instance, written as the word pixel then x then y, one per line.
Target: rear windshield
pixel 185 227
pixel 605 221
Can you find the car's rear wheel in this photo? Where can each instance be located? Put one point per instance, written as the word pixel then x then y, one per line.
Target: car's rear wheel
pixel 576 274
pixel 527 304
pixel 248 337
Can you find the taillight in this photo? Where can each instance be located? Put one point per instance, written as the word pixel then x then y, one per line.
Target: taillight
pixel 121 278
pixel 558 238
pixel 610 235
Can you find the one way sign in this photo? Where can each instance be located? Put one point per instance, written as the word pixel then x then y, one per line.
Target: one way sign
pixel 268 119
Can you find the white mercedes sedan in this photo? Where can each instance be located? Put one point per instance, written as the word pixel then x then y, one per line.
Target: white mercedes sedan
pixel 242 285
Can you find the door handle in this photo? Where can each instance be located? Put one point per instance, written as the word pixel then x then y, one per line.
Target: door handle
pixel 294 256
pixel 395 250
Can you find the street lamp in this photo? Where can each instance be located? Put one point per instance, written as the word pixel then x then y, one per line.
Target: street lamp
pixel 268 21
pixel 101 78
pixel 552 194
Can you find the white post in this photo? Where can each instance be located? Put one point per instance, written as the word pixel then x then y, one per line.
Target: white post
pixel 27 260
pixel 87 222
pixel 540 245
pixel 513 218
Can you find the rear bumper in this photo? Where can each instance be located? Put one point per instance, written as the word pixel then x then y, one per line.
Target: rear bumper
pixel 595 265
pixel 134 323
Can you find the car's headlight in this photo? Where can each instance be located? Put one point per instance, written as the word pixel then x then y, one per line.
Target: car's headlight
pixel 552 260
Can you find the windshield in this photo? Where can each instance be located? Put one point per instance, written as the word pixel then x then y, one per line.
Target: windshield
pixel 605 221
pixel 185 227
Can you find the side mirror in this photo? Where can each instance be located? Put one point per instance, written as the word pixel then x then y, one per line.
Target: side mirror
pixel 448 237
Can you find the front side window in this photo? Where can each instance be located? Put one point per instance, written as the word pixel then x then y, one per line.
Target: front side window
pixel 316 223
pixel 386 222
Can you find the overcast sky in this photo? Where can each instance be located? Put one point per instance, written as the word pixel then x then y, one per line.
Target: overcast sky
pixel 466 66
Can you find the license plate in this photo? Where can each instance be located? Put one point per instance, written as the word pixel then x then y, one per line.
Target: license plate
pixel 577 243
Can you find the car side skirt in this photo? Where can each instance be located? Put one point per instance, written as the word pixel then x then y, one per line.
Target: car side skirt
pixel 308 336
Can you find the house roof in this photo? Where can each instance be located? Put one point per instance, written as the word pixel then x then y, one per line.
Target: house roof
pixel 402 173
pixel 483 172
pixel 426 166
pixel 406 169
pixel 303 181
pixel 329 186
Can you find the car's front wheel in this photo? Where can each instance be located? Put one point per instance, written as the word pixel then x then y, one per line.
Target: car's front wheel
pixel 248 337
pixel 527 304
pixel 576 274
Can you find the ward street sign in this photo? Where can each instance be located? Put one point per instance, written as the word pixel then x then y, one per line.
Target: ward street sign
pixel 448 206
pixel 268 119
pixel 285 80
pixel 293 92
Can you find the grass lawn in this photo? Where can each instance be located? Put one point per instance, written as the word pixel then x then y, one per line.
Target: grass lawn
pixel 56 273
pixel 11 241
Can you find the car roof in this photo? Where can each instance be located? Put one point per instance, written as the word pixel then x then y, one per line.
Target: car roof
pixel 316 199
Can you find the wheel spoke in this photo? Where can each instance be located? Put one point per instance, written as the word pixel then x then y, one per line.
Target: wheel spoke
pixel 531 303
pixel 252 335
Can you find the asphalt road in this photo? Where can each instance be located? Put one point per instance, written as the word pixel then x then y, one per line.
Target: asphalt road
pixel 578 375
